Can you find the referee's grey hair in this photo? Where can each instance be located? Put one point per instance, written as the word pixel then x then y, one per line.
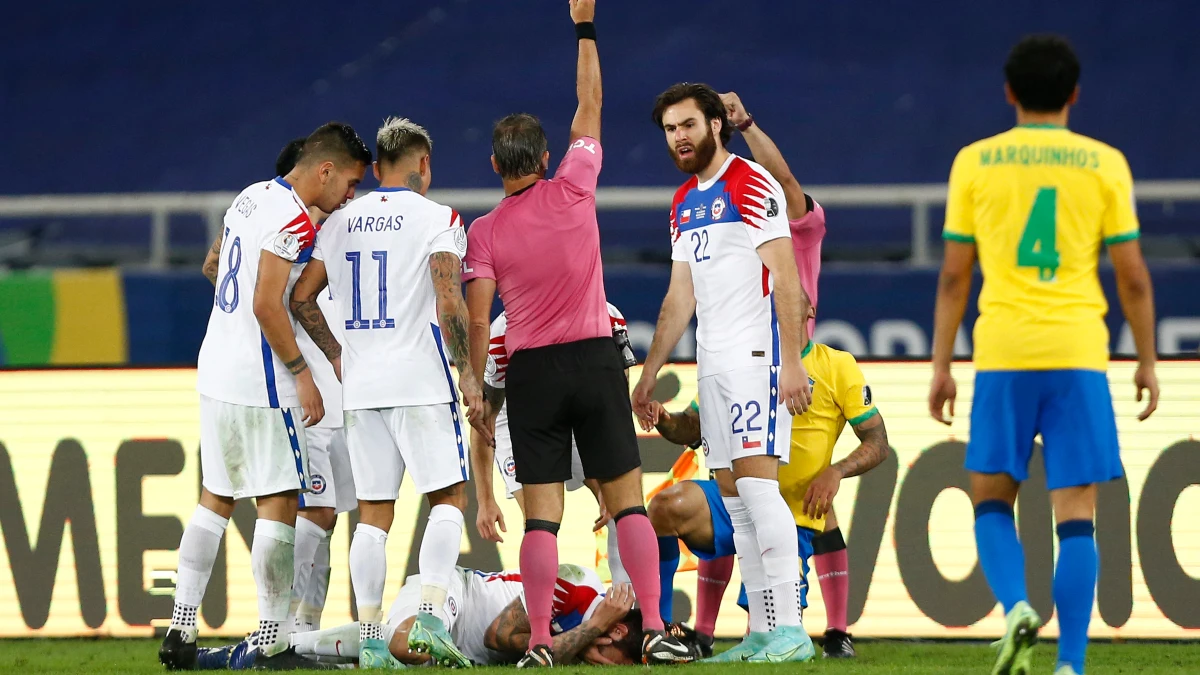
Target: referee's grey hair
pixel 400 136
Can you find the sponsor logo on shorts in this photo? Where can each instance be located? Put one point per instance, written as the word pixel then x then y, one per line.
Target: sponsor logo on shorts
pixel 318 484
pixel 510 467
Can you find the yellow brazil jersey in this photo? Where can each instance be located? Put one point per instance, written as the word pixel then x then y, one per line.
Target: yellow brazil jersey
pixel 840 395
pixel 1037 201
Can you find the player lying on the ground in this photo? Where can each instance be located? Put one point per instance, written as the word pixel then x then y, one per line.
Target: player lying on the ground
pixel 490 520
pixel 694 511
pixel 488 621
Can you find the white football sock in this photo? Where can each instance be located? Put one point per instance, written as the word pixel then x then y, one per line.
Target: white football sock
pixel 338 641
pixel 308 538
pixel 615 567
pixel 776 532
pixel 439 553
pixel 197 553
pixel 745 543
pixel 272 559
pixel 368 574
pixel 312 605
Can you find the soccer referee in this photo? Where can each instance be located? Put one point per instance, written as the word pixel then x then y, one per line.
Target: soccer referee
pixel 540 247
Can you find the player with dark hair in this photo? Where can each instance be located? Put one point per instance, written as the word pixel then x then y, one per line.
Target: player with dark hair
pixel 540 249
pixel 734 268
pixel 487 618
pixel 255 386
pixel 1036 203
pixel 328 461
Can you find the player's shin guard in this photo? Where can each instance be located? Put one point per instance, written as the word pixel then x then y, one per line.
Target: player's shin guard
pixel 308 537
pixel 368 574
pixel 668 562
pixel 750 563
pixel 197 553
pixel 439 553
pixel 312 603
pixel 1000 552
pixel 616 568
pixel 272 559
pixel 539 573
pixel 1075 589
pixel 639 550
pixel 775 530
pixel 712 577
pixel 833 573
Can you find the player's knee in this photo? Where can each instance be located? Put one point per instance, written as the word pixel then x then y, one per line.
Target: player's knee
pixel 669 509
pixel 1074 503
pixel 454 495
pixel 323 517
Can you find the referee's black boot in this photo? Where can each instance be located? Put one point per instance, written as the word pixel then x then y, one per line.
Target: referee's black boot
pixel 838 645
pixel 176 653
pixel 660 648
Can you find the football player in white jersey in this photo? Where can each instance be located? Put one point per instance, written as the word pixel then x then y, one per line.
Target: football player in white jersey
pixel 488 619
pixel 733 266
pixel 255 387
pixel 330 479
pixel 393 261
pixel 490 520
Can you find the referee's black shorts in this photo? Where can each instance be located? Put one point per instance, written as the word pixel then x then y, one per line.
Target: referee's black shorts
pixel 575 387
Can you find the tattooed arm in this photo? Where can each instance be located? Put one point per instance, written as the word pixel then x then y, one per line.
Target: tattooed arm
pixel 870 453
pixel 446 270
pixel 212 261
pixel 304 306
pixel 509 633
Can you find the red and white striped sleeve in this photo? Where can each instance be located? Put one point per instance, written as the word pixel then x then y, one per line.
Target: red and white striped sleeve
pixel 497 361
pixel 760 202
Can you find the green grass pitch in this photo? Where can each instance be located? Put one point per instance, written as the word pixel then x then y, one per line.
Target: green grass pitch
pixel 136 656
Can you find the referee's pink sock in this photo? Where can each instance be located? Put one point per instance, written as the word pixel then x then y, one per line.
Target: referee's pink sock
pixel 539 572
pixel 639 554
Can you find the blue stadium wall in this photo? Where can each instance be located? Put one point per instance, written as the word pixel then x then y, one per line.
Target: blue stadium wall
pixel 146 95
pixel 105 317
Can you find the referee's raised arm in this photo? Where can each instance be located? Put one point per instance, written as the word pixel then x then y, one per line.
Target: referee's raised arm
pixel 587 73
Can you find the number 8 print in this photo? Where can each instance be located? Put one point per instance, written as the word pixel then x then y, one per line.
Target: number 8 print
pixel 230 278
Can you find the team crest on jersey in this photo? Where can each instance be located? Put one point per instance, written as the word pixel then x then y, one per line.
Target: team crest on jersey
pixel 510 467
pixel 452 605
pixel 811 382
pixel 286 246
pixel 718 208
pixel 317 483
pixel 866 395
pixel 460 241
pixel 771 206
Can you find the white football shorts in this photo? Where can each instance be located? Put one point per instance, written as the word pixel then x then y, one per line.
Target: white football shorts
pixel 741 416
pixel 425 440
pixel 246 451
pixel 330 477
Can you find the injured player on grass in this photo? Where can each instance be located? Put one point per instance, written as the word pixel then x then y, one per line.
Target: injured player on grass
pixel 488 622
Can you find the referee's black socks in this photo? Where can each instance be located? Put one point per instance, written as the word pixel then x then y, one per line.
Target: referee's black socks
pixel 533 524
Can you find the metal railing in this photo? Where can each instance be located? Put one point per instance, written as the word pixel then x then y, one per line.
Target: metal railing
pixel 160 206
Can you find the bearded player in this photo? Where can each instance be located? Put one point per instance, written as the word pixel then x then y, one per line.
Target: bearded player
pixel 733 267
